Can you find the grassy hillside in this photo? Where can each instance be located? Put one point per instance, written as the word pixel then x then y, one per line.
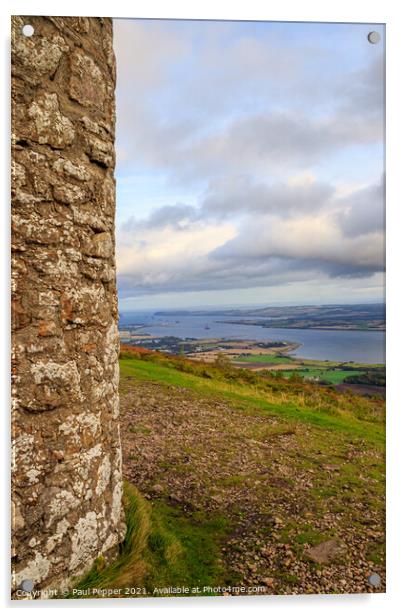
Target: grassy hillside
pixel 241 480
pixel 271 393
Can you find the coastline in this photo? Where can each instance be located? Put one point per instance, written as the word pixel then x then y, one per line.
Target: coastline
pixel 327 328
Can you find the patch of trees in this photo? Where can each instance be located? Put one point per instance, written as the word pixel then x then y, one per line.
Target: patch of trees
pixel 371 377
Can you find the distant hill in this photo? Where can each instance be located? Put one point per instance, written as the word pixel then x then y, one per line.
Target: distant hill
pixel 329 311
pixel 336 316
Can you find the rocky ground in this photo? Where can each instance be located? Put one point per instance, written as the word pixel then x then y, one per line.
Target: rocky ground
pixel 306 507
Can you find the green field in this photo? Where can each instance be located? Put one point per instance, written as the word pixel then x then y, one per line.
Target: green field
pixel 330 376
pixel 326 371
pixel 264 359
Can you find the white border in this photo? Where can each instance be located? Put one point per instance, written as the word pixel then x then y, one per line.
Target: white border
pixel 378 11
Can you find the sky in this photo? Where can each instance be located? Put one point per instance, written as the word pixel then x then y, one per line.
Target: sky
pixel 250 165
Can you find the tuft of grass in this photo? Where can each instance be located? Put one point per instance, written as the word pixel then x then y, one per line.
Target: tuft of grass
pixel 162 548
pixel 267 433
pixel 138 429
pixel 233 480
pixel 311 536
pixel 200 536
pixel 376 553
pixel 129 568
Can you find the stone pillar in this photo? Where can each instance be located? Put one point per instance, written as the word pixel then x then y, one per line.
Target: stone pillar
pixel 66 481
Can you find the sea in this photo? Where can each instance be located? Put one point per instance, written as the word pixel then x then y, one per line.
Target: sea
pixel 358 346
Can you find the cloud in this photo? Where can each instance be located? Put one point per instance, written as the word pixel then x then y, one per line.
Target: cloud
pixel 267 143
pixel 271 132
pixel 314 240
pixel 197 100
pixel 363 212
pixel 176 216
pixel 168 257
pixel 232 195
pixel 362 91
pixel 273 240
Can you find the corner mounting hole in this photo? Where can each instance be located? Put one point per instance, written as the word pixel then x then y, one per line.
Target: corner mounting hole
pixel 28 30
pixel 373 37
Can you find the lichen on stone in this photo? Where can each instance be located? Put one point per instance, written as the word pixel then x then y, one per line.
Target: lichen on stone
pixel 48 125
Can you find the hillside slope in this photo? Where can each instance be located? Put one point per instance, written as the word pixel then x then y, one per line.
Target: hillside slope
pixel 277 486
pixel 289 466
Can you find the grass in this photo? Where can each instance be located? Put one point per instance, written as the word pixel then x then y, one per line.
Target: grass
pixel 310 536
pixel 376 552
pixel 335 377
pixel 138 429
pixel 233 480
pixel 264 359
pixel 130 567
pixel 356 416
pixel 199 539
pixel 162 548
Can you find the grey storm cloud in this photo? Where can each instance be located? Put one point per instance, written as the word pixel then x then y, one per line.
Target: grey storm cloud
pixel 263 239
pixel 239 273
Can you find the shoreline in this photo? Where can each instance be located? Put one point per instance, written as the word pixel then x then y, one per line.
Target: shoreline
pixel 235 347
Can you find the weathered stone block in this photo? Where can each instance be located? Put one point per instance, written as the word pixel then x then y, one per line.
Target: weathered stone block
pixel 100 151
pixel 46 124
pixel 49 385
pixel 87 83
pixel 70 193
pixel 74 169
pixel 100 245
